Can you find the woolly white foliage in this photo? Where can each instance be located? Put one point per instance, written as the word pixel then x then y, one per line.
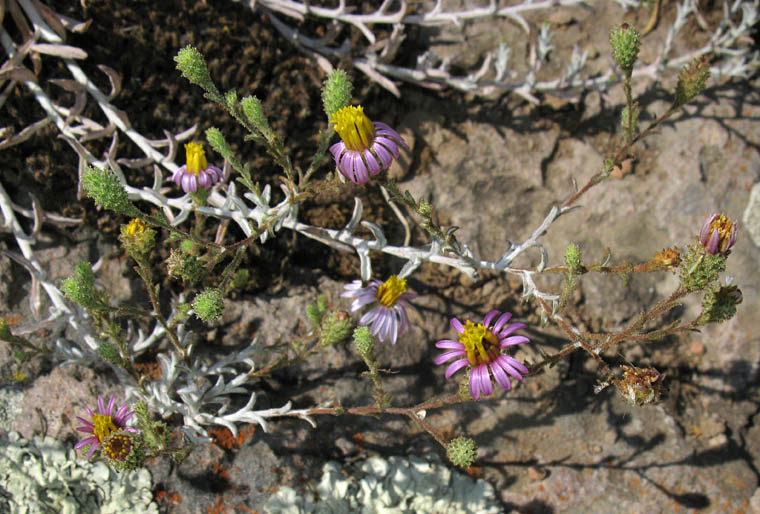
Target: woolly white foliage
pixel 374 56
pixel 397 484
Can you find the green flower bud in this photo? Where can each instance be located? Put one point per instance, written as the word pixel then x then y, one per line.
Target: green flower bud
pixel 336 92
pixel 625 41
pixel 692 80
pixel 699 268
pixel 425 209
pixel 217 141
pixel 109 353
pixel 573 258
pixel 364 341
pixel 209 304
pixel 193 67
pixel 104 188
pixel 336 327
pixel 255 114
pixel 719 304
pixel 462 452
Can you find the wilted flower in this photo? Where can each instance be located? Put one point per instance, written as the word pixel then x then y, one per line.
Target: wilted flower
pixel 366 148
pixel 197 171
pixel 103 424
pixel 387 318
pixel 718 234
pixel 641 386
pixel 480 346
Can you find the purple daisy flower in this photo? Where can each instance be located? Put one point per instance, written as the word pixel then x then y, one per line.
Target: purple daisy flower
pixel 718 234
pixel 366 148
pixel 387 318
pixel 197 171
pixel 480 346
pixel 103 424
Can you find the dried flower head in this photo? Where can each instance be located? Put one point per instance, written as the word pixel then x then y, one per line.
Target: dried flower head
pixel 103 424
pixel 668 258
pixel 390 299
pixel 480 347
pixel 366 148
pixel 718 234
pixel 196 171
pixel 641 386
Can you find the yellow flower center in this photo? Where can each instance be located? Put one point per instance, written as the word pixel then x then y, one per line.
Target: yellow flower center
pixel 134 228
pixel 103 426
pixel 354 128
pixel 481 345
pixel 725 228
pixel 390 291
pixel 195 158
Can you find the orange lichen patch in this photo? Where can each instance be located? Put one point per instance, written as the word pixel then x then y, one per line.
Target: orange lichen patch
pixel 221 470
pixel 218 508
pixel 223 436
pixel 474 471
pixel 174 498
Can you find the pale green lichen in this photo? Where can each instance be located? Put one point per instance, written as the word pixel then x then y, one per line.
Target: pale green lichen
pixel 45 476
pixel 383 486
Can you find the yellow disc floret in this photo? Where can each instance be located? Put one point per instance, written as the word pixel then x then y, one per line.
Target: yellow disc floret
pixel 725 228
pixel 196 158
pixel 389 292
pixel 103 426
pixel 354 128
pixel 481 345
pixel 134 228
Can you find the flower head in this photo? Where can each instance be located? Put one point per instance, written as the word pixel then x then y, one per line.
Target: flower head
pixel 366 148
pixel 197 171
pixel 103 424
pixel 718 234
pixel 480 347
pixel 118 446
pixel 390 300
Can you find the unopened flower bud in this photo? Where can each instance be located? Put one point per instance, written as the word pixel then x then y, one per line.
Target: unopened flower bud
pixel 209 304
pixel 462 452
pixel 336 92
pixel 692 80
pixel 625 41
pixel 364 341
